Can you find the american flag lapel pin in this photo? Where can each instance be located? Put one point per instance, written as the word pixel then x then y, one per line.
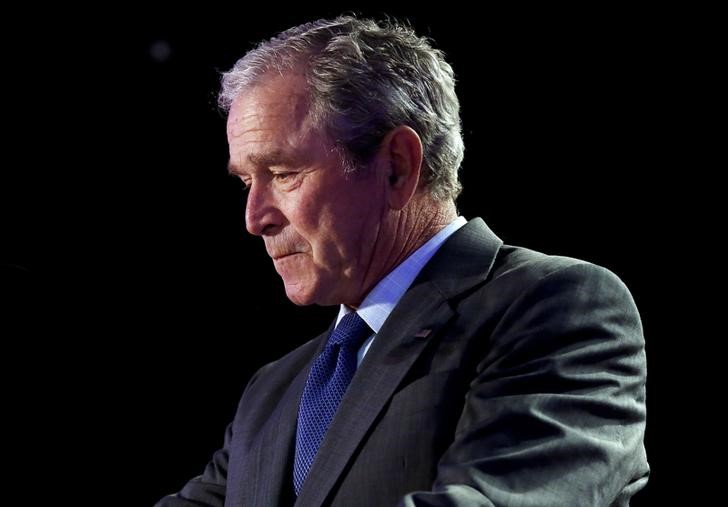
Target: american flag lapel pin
pixel 423 333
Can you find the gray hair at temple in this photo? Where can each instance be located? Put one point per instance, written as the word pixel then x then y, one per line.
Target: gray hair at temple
pixel 366 78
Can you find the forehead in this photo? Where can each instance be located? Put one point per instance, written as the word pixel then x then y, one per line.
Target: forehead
pixel 270 125
pixel 276 103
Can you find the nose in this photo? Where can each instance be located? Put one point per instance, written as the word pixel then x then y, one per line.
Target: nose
pixel 262 215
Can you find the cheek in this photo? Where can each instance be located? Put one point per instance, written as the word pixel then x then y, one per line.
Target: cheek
pixel 311 215
pixel 315 225
pixel 334 220
pixel 306 215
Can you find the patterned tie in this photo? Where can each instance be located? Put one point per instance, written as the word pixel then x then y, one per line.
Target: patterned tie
pixel 328 379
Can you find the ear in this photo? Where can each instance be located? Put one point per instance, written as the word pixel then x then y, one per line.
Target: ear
pixel 402 149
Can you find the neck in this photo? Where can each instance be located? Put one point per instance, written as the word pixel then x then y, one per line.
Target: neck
pixel 407 230
pixel 417 225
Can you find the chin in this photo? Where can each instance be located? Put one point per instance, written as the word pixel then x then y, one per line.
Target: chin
pixel 299 297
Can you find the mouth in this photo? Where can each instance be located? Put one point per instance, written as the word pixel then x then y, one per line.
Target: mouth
pixel 283 256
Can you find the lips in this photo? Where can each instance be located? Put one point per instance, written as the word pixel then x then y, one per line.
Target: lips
pixel 283 256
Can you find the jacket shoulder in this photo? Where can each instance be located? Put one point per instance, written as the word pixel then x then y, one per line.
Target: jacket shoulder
pixel 530 267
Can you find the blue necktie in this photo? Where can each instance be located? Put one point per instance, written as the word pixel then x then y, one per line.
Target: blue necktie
pixel 328 379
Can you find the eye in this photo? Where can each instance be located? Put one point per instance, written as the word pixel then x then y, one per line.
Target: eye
pixel 283 176
pixel 286 180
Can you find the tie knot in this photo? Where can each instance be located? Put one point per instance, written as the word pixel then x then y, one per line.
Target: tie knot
pixel 351 331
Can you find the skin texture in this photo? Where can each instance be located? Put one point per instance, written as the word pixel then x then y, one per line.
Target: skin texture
pixel 332 235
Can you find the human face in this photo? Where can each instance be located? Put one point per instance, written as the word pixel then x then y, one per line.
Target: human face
pixel 321 226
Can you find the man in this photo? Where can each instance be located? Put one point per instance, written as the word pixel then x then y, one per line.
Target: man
pixel 460 371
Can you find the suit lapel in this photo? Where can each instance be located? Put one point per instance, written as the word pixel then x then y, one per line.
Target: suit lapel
pixel 463 261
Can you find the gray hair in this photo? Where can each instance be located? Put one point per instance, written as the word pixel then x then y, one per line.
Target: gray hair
pixel 364 79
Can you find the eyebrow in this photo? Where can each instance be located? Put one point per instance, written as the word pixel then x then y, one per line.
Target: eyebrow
pixel 276 157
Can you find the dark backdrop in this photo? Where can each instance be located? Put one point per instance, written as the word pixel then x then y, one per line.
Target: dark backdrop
pixel 140 304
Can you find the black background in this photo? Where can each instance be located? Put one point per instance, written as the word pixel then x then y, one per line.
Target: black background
pixel 138 305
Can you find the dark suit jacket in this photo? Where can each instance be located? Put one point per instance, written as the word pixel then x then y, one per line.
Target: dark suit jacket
pixel 503 377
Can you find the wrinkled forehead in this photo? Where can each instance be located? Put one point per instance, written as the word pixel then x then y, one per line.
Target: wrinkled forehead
pixel 281 99
pixel 271 124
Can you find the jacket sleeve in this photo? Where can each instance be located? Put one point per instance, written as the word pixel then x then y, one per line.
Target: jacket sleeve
pixel 555 415
pixel 208 489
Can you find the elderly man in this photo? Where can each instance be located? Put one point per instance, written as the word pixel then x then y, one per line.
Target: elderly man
pixel 460 371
